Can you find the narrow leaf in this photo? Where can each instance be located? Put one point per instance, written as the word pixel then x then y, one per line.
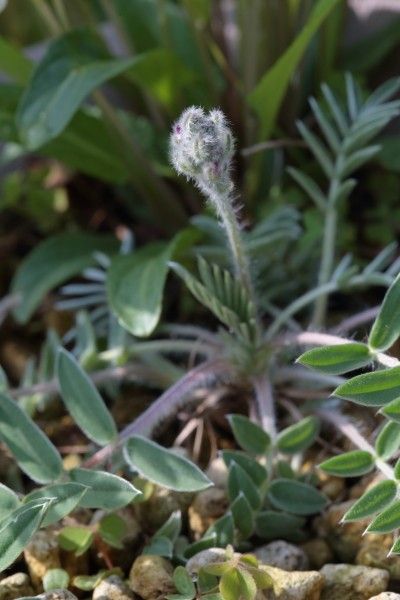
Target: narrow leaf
pixel 83 401
pixel 105 490
pixel 349 464
pixel 309 186
pixel 32 449
pixel 164 467
pixel 387 521
pixel 240 483
pixel 17 530
pixel 388 441
pixel 299 436
pixel 372 501
pixel 249 436
pixel 372 389
pixel 386 328
pixel 296 497
pixel 65 497
pixel 243 516
pixel 258 473
pixel 337 359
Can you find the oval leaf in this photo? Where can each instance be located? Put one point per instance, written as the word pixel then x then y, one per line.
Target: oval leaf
pixel 337 359
pixel 33 451
pixel 164 467
pixel 388 441
pixel 372 501
pixel 240 483
pixel 271 524
pixel 65 497
pixel 387 521
pixel 52 262
pixel 83 401
pixel 299 436
pixel 258 473
pixel 372 389
pixel 249 436
pixel 17 530
pixel 243 516
pixel 296 497
pixel 135 285
pixel 105 490
pixel 349 464
pixel 386 328
pixel 392 410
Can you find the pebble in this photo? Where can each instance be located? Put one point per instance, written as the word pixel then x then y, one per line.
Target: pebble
pixel 282 555
pixel 15 586
pixel 374 552
pixel 297 585
pixel 112 588
pixel 350 582
pixel 151 577
pixel 57 595
pixel 318 553
pixel 386 596
pixel 204 558
pixel 207 507
pixel 42 554
pixel 217 472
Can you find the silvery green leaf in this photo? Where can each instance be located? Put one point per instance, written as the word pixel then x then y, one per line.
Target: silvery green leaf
pixel 83 401
pixel 296 497
pixel 33 451
pixel 105 490
pixel 372 389
pixel 250 436
pixel 65 497
pixel 337 359
pixel 349 464
pixel 386 328
pixel 386 521
pixel 372 501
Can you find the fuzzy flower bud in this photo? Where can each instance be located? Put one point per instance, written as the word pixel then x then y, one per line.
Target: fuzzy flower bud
pixel 201 147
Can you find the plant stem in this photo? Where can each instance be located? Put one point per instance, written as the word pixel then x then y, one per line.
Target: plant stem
pixel 328 256
pixel 265 403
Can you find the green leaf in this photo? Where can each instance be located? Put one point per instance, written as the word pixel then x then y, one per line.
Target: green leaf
pixel 240 483
pixel 386 521
pixel 55 579
pixel 105 490
pixel 243 516
pixel 296 497
pixel 75 539
pixel 160 546
pixel 254 470
pixel 164 467
pixel 33 451
pixel 8 501
pixel 349 464
pixel 52 262
pixel 65 497
pixel 112 530
pixel 299 436
pixel 388 441
pixel 135 285
pixel 183 582
pixel 251 437
pixel 309 186
pixel 17 530
pixel 386 328
pixel 236 583
pixel 74 66
pixel 372 501
pixel 268 95
pixel 392 410
pixel 224 528
pixel 208 541
pixel 372 389
pixel 172 527
pixel 336 359
pixel 83 401
pixel 271 524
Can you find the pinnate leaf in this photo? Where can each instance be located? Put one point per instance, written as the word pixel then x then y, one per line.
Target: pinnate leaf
pixel 251 437
pixel 386 521
pixel 372 501
pixel 296 497
pixel 372 389
pixel 388 441
pixel 386 328
pixel 299 436
pixel 337 359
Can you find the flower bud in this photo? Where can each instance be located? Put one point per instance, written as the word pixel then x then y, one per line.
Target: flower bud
pixel 201 147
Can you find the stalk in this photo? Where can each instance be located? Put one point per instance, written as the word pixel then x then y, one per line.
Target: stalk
pixel 265 404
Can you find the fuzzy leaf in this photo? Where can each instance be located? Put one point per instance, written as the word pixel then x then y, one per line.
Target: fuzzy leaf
pixel 392 410
pixel 112 530
pixel 105 490
pixel 386 521
pixel 32 449
pixel 296 497
pixel 251 437
pixel 135 285
pixel 388 441
pixel 8 501
pixel 337 359
pixel 299 436
pixel 17 530
pixel 65 497
pixel 240 483
pixel 372 501
pixel 349 464
pixel 183 582
pixel 83 401
pixel 258 473
pixel 386 328
pixel 164 467
pixel 271 524
pixel 242 515
pixel 372 389
pixel 52 262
